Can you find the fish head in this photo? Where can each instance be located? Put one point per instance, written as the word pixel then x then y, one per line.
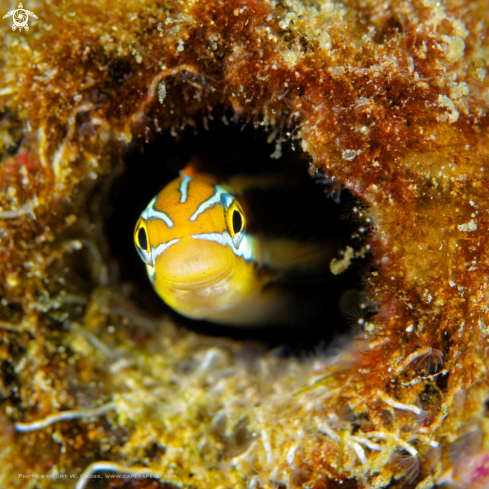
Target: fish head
pixel 192 234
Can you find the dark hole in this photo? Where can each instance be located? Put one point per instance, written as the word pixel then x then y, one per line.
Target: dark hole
pixel 237 222
pixel 301 212
pixel 143 242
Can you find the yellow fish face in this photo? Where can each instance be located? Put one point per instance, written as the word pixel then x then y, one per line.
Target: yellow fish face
pixel 192 238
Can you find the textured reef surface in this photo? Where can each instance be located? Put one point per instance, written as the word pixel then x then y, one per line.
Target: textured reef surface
pixel 389 97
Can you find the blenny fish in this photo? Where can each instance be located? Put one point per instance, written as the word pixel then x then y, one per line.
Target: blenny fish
pixel 207 259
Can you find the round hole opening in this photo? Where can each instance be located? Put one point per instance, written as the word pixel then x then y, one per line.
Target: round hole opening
pixel 309 210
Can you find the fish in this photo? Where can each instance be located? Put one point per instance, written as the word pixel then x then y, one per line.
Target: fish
pixel 208 260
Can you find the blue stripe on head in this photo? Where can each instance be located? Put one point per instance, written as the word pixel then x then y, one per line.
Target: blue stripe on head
pixel 163 247
pixel 246 248
pixel 220 197
pixel 215 199
pixel 151 273
pixel 151 213
pixel 184 188
pixel 227 199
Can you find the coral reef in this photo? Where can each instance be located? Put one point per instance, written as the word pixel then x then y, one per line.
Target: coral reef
pixel 390 99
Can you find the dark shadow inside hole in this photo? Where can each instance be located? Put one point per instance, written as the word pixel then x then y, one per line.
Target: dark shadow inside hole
pixel 306 211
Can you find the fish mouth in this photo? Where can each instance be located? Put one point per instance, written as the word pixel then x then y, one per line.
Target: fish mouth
pixel 192 265
pixel 198 284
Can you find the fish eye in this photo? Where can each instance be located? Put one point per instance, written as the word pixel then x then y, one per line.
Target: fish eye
pixel 143 239
pixel 237 221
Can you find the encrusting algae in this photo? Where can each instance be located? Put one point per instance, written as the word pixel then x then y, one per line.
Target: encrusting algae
pixel 388 97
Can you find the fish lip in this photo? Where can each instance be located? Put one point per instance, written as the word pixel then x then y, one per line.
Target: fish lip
pixel 200 284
